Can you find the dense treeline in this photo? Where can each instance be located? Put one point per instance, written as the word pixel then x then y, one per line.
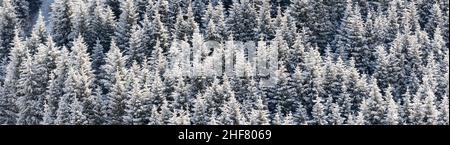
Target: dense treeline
pixel 315 62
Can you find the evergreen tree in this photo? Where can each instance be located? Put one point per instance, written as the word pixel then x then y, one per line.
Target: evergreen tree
pixel 32 89
pixel 284 96
pixel 299 12
pixel 114 62
pixel 112 83
pixel 38 35
pixel 49 114
pixel 47 117
pixel 28 103
pixel 259 114
pixel 296 55
pixel 264 21
pixel 165 112
pixel 7 27
pixel 277 117
pixel 289 119
pixel 180 91
pixel 407 110
pixel 219 17
pixel 301 116
pixel 63 111
pixel 335 117
pixel 61 25
pixel 79 20
pixel 363 114
pixel 133 101
pixel 66 114
pixel 98 59
pixel 230 112
pixel 115 6
pixel 350 38
pixel 76 113
pixel 45 62
pixel 185 25
pixel 312 79
pixel 155 117
pixel 135 51
pixel 108 26
pixel 160 36
pixel 213 120
pixel 382 67
pixel 392 115
pixel 55 87
pixel 80 59
pixel 141 7
pixel 318 112
pixel 239 21
pixel 163 10
pixel 147 28
pixel 396 59
pixel 158 89
pixel 93 107
pixel 21 10
pixel 431 112
pixel 200 116
pixel 199 9
pixel 428 110
pixel 128 18
pixel 434 19
pixel 116 98
pixel 376 104
pixel 100 23
pixel 416 109
pixel 12 76
pixel 443 109
pixel 319 24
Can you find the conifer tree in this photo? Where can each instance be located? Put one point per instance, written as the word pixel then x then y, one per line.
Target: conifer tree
pixel 259 114
pixel 135 51
pixel 200 116
pixel 392 115
pixel 230 112
pixel 128 18
pixel 28 103
pixel 61 25
pixel 318 112
pixel 12 75
pixel 7 28
pixel 38 35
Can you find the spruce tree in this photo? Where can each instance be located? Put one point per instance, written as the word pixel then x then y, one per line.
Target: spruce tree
pixel 392 113
pixel 135 51
pixel 134 100
pixel 200 117
pixel 28 103
pixel 128 18
pixel 61 25
pixel 38 34
pixel 112 83
pixel 259 113
pixel 10 84
pixel 7 27
pixel 230 112
pixel 318 112
pixel 376 104
pixel 21 10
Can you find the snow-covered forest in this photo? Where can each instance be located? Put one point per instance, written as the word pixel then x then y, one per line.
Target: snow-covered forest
pixel 146 62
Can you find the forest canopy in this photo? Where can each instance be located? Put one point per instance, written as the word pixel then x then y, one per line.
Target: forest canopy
pixel 146 62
